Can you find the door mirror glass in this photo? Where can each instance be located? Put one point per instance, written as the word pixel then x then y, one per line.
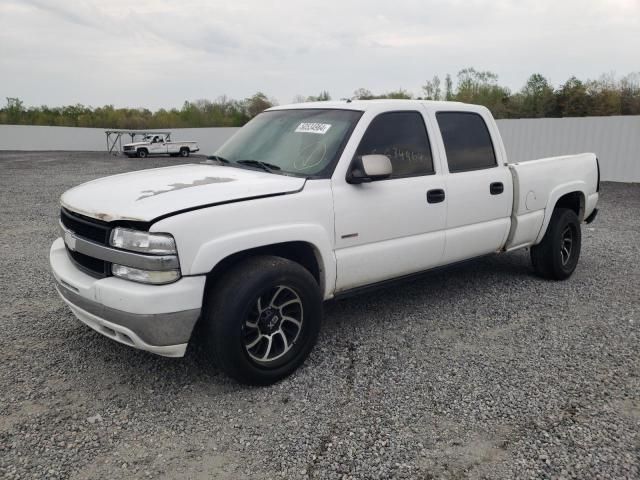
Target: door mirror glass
pixel 369 168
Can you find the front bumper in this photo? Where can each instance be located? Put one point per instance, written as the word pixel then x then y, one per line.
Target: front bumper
pixel 155 318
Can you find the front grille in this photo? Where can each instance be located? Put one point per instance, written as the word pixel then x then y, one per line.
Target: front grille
pixel 85 227
pixel 127 148
pixel 92 266
pixel 90 229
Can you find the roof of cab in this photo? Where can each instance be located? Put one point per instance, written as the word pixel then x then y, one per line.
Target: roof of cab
pixel 380 104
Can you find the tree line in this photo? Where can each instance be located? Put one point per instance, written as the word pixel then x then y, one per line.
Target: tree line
pixel 538 98
pixel 222 112
pixel 607 95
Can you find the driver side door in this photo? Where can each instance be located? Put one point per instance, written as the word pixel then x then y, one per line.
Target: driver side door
pixel 157 145
pixel 396 226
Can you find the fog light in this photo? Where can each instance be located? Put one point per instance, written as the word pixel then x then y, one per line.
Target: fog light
pixel 155 277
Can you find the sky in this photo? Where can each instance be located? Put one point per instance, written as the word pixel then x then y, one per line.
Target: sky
pixel 157 54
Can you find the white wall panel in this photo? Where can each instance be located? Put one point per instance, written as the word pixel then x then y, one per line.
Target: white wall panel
pixel 25 137
pixel 615 140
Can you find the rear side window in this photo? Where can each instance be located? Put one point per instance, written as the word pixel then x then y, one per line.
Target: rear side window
pixel 466 140
pixel 401 136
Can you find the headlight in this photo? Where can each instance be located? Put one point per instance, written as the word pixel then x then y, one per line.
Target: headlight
pixel 145 242
pixel 145 276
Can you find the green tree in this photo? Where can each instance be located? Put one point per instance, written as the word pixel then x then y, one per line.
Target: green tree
pixel 605 96
pixel 629 88
pixel 256 104
pixel 448 88
pixel 323 97
pixel 14 110
pixel 363 94
pixel 481 88
pixel 572 99
pixel 537 97
pixel 432 89
pixel 400 94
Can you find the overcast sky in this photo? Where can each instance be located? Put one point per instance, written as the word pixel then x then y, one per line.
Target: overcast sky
pixel 159 53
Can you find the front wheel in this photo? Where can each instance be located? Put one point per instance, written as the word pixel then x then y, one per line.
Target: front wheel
pixel 556 256
pixel 184 152
pixel 142 153
pixel 262 319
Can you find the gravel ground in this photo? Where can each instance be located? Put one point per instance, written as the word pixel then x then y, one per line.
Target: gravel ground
pixel 481 371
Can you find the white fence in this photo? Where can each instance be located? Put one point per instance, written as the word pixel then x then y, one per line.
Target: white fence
pixel 25 137
pixel 616 140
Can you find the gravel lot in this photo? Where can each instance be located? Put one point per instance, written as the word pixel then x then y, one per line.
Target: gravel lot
pixel 482 371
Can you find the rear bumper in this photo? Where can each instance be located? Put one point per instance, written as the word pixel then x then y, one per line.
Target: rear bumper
pixel 155 318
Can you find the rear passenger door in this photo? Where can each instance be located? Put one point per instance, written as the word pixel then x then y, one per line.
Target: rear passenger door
pixel 389 228
pixel 479 190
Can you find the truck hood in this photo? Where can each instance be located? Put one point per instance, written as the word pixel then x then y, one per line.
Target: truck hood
pixel 135 144
pixel 148 194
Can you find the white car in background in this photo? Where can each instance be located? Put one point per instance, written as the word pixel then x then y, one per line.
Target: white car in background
pixel 159 144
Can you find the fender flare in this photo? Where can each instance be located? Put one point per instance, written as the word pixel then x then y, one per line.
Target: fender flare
pixel 555 194
pixel 214 251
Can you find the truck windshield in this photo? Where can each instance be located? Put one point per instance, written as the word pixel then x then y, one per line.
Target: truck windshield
pixel 303 142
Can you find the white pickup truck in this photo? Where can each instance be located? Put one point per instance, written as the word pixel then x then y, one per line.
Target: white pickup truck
pixel 159 144
pixel 305 203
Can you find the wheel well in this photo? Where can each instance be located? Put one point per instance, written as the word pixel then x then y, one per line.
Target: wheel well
pixel 184 148
pixel 573 201
pixel 302 253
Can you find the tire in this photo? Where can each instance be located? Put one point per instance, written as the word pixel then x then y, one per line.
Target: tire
pixel 184 152
pixel 143 153
pixel 248 339
pixel 556 256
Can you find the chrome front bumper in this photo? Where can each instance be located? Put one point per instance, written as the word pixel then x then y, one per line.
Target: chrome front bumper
pixel 165 334
pixel 155 318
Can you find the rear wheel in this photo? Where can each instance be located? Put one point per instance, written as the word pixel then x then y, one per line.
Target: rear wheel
pixel 184 152
pixel 143 153
pixel 262 319
pixel 556 257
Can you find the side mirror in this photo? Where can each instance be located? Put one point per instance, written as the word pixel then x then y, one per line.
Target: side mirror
pixel 369 168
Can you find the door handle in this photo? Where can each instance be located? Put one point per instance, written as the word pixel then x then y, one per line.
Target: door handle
pixel 496 188
pixel 435 196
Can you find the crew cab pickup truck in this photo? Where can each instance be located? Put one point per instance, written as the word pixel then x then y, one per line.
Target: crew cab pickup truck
pixel 159 144
pixel 303 204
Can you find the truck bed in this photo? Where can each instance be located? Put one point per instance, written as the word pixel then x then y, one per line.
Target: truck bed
pixel 538 184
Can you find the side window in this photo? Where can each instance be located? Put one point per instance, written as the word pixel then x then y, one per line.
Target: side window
pixel 466 140
pixel 401 136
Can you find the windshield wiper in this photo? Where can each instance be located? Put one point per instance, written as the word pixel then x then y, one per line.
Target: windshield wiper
pixel 219 159
pixel 267 167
